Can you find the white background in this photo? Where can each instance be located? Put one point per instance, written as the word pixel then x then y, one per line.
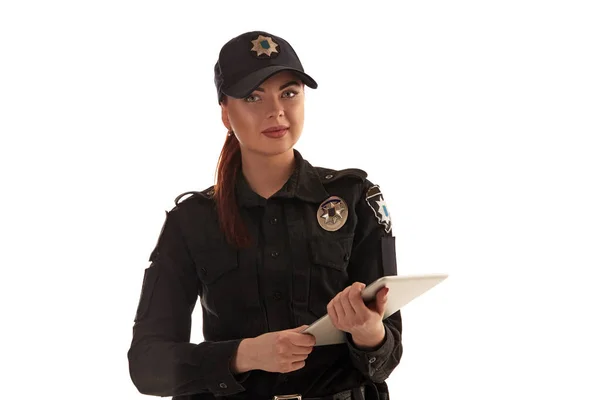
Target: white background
pixel 479 120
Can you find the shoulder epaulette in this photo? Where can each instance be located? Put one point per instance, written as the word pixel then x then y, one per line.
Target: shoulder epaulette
pixel 330 175
pixel 207 193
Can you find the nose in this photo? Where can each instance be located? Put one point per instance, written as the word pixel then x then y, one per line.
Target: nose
pixel 276 109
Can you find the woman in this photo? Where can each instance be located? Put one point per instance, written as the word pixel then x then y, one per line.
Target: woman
pixel 272 247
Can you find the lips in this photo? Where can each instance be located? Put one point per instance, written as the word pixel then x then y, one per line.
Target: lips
pixel 276 128
pixel 275 132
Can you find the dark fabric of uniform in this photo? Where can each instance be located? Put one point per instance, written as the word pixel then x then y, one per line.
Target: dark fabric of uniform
pixel 284 281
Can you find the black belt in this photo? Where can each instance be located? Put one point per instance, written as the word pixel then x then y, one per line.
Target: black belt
pixel 351 394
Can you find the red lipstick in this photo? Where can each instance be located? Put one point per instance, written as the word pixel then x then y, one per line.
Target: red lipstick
pixel 276 132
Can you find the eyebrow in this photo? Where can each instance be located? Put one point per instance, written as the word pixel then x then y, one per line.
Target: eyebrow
pixel 290 83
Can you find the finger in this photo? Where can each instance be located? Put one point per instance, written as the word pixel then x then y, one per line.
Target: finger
pixel 349 311
pixel 301 350
pixel 302 339
pixel 298 365
pixel 332 313
pixel 382 295
pixel 356 300
pixel 361 309
pixel 337 305
pixel 340 312
pixel 299 328
pixel 296 359
pixel 382 300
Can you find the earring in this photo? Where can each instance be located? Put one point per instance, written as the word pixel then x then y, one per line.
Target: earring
pixel 230 133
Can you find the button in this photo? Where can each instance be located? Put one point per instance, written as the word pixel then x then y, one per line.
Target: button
pixel 277 295
pixel 328 176
pixel 274 254
pixel 273 221
pixel 222 385
pixel 372 360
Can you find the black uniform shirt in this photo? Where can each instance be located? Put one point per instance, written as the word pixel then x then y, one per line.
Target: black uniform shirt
pixel 285 280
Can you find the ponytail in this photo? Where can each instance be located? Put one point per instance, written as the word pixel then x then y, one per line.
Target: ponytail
pixel 230 219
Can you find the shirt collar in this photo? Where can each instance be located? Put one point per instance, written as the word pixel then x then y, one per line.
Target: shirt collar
pixel 304 184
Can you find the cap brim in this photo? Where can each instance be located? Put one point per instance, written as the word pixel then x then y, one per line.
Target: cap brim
pixel 247 85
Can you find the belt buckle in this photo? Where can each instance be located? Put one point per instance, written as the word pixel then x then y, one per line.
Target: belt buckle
pixel 288 397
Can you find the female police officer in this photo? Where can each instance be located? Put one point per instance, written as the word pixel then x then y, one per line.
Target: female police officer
pixel 273 246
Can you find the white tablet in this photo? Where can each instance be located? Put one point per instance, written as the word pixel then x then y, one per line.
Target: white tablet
pixel 403 289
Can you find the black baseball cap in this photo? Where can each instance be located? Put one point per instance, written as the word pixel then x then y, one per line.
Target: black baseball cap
pixel 249 59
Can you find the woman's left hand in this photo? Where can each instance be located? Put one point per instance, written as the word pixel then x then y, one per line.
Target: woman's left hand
pixel 349 313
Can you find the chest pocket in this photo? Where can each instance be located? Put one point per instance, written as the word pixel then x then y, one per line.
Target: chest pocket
pixel 227 290
pixel 328 274
pixel 212 264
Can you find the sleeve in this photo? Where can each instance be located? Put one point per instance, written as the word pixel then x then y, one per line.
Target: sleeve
pixel 373 256
pixel 162 361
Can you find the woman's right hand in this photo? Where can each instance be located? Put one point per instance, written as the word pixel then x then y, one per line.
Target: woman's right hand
pixel 281 351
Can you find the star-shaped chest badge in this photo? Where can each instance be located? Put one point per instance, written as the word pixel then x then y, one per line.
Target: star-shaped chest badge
pixel 332 214
pixel 264 45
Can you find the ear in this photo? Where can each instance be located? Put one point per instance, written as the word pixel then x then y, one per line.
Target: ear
pixel 225 116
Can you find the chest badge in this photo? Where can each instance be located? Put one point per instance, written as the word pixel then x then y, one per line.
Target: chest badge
pixel 332 214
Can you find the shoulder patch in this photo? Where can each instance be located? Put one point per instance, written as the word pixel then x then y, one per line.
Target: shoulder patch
pixel 207 193
pixel 376 202
pixel 329 175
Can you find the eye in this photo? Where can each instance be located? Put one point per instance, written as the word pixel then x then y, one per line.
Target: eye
pixel 252 98
pixel 290 93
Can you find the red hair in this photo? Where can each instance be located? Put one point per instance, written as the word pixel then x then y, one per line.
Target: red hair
pixel 230 219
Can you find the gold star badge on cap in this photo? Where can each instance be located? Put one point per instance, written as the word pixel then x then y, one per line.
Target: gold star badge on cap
pixel 332 214
pixel 264 45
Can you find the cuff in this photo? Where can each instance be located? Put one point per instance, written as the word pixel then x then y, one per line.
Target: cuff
pixel 221 381
pixel 241 378
pixel 372 359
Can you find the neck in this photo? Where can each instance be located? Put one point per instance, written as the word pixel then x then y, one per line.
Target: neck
pixel 267 174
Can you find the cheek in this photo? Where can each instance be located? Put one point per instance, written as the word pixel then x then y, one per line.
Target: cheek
pixel 296 115
pixel 242 121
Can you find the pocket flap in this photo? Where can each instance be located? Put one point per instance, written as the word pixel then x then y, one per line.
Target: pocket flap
pixel 212 263
pixel 332 252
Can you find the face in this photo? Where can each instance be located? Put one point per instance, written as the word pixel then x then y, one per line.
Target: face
pixel 270 120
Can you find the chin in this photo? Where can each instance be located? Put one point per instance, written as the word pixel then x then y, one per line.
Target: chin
pixel 276 150
pixel 274 147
